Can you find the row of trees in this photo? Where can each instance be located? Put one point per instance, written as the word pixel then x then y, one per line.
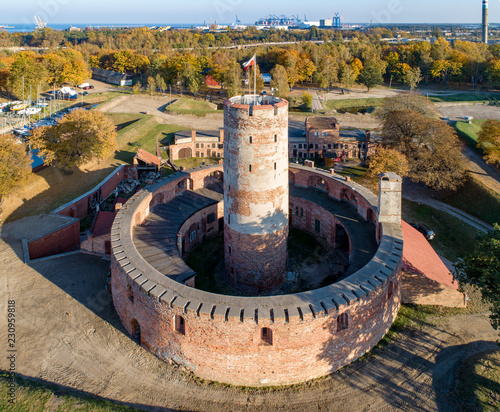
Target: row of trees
pixel 25 71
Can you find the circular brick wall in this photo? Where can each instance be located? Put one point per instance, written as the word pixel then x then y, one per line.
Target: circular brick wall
pixel 255 341
pixel 256 192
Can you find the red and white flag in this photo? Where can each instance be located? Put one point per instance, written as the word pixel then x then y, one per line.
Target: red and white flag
pixel 250 62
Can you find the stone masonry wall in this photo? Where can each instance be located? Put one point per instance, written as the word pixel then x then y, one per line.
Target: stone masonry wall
pixel 254 341
pixel 256 194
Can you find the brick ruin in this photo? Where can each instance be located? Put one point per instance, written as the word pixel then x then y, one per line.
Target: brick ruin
pixel 264 340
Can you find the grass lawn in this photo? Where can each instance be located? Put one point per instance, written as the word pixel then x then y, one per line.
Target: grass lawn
pixel 195 107
pixel 479 382
pixel 469 132
pixel 34 396
pixel 353 103
pixel 462 97
pixel 140 131
pixel 475 199
pixel 453 238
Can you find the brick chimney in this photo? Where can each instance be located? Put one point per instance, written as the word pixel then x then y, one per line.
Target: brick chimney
pixel 221 135
pixel 193 135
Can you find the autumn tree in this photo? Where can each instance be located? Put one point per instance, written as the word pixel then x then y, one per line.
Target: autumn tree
pixel 25 73
pixel 409 102
pixel 412 78
pixel 327 72
pixel 481 268
pixel 348 76
pixel 431 147
pixel 232 78
pixel 79 137
pixel 388 160
pixel 489 141
pixel 15 165
pixel 151 85
pixel 307 99
pixel 279 81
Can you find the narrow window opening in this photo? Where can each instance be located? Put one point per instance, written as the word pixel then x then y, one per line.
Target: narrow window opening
pixel 342 322
pixel 250 139
pixel 180 324
pixel 229 250
pixel 390 290
pixel 317 225
pixel 130 293
pixel 249 168
pixel 266 336
pixel 274 165
pixel 275 138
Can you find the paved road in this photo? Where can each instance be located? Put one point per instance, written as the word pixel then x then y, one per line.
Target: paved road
pixel 316 103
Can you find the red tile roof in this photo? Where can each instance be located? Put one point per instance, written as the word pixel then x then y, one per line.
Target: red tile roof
pixel 420 257
pixel 147 157
pixel 103 222
pixel 121 200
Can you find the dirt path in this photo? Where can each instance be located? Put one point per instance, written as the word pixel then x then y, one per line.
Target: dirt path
pixel 69 333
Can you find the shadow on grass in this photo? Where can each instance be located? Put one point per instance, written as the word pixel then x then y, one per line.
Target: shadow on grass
pixel 62 189
pixel 36 394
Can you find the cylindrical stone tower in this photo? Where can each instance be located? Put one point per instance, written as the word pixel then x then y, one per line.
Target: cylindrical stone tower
pixel 256 192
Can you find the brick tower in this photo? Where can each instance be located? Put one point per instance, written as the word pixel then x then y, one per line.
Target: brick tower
pixel 256 192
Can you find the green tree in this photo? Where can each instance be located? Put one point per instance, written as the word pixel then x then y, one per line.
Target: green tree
pixel 160 82
pixel 279 81
pixel 307 99
pixel 348 76
pixel 151 85
pixel 371 76
pixel 15 165
pixel 388 160
pixel 233 79
pixel 412 78
pixel 481 268
pixel 79 137
pixel 489 141
pixel 328 72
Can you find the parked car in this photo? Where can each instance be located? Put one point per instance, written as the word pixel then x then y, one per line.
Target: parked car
pixel 88 87
pixel 425 230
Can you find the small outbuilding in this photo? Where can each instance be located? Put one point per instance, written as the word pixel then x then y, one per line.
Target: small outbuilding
pixel 111 77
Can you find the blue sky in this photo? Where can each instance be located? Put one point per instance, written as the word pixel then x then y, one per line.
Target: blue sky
pixel 224 11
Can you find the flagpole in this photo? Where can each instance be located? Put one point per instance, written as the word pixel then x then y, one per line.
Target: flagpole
pixel 255 80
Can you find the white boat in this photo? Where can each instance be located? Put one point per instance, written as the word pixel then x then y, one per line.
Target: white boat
pixel 33 110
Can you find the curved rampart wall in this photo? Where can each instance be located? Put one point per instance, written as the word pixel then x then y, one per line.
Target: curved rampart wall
pixel 255 341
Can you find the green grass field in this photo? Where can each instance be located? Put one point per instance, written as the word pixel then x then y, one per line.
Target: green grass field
pixel 475 199
pixel 462 97
pixel 479 382
pixel 195 107
pixel 454 238
pixel 140 131
pixel 469 132
pixel 353 103
pixel 36 397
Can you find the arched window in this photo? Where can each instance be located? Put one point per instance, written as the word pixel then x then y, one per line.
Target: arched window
pixel 180 324
pixel 266 336
pixel 136 330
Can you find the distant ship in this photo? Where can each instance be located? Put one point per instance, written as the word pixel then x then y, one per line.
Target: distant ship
pixel 6 27
pixel 40 24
